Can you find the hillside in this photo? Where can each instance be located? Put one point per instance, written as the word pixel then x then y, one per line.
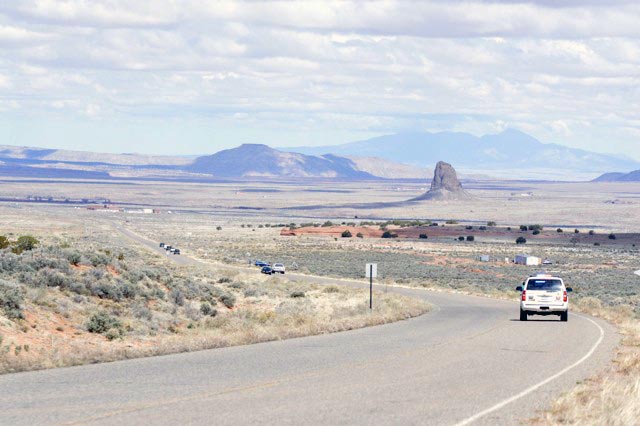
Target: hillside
pixel 619 177
pixel 250 160
pixel 510 151
pixel 61 155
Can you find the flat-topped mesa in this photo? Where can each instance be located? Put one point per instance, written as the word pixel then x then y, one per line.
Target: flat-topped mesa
pixel 445 185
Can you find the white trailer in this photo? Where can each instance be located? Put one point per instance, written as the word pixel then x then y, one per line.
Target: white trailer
pixel 525 259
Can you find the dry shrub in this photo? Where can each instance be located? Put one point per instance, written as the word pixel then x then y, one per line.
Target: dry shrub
pixel 612 398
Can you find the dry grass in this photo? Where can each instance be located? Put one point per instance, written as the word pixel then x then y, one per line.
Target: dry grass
pixel 321 310
pixel 613 397
pixel 59 298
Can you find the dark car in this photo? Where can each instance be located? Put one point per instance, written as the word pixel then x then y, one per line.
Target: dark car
pixel 267 270
pixel 176 251
pixel 162 245
pixel 167 248
pixel 260 263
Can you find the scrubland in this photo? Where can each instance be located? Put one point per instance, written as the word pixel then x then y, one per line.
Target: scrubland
pixel 602 277
pixel 85 295
pixel 159 307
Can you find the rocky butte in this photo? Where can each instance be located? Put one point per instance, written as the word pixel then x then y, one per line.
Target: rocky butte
pixel 445 185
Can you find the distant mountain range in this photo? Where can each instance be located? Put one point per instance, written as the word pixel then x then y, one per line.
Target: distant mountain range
pixel 510 154
pixel 633 176
pixel 245 161
pixel 510 151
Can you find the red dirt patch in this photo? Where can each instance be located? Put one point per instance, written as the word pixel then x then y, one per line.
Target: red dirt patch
pixel 333 231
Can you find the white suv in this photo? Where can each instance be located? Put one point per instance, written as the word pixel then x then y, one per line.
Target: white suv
pixel 278 267
pixel 544 295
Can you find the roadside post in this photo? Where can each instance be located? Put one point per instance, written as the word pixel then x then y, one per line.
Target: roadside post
pixel 371 272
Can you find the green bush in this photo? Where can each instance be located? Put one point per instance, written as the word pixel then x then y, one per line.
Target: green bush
pixel 228 300
pixel 346 234
pixel 461 238
pixel 524 227
pixel 327 224
pixel 11 298
pixel 389 234
pixel 423 236
pixel 491 223
pixel 576 231
pixel 4 242
pixel 101 322
pixel 297 294
pixel 74 258
pixel 359 235
pixel 536 232
pixel 471 238
pixel 521 240
pixel 177 296
pixel 612 236
pixel 25 243
pixel 208 310
pixel 592 232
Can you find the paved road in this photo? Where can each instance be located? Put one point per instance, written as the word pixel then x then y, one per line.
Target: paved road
pixel 468 360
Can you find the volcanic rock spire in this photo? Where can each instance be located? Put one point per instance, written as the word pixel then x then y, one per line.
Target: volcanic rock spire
pixel 445 185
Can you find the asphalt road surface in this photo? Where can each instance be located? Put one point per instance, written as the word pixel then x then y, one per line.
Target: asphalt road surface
pixel 468 361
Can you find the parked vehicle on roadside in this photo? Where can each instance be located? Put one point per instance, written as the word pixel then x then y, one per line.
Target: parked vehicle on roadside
pixel 544 294
pixel 267 270
pixel 260 263
pixel 176 251
pixel 168 248
pixel 161 245
pixel 278 267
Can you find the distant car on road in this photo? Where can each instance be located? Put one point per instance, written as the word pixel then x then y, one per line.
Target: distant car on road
pixel 161 245
pixel 547 262
pixel 260 263
pixel 266 270
pixel 278 267
pixel 543 294
pixel 176 251
pixel 168 248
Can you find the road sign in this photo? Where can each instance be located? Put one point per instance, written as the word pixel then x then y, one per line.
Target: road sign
pixel 371 270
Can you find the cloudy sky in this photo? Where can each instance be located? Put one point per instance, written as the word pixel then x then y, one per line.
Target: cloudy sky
pixel 187 77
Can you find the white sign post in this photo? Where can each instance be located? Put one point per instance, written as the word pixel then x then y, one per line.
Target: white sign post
pixel 371 272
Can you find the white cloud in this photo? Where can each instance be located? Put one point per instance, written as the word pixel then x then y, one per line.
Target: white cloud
pixel 556 71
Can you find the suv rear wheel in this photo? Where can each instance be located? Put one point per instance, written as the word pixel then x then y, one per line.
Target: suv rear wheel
pixel 564 316
pixel 523 315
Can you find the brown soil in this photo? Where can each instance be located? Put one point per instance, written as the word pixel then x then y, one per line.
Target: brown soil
pixel 455 231
pixel 334 231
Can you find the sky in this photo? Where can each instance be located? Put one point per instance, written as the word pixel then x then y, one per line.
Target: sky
pixel 194 77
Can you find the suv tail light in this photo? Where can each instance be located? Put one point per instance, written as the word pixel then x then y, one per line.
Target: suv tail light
pixel 564 296
pixel 524 295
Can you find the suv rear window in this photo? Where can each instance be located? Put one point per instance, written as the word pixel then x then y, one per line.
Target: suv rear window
pixel 545 285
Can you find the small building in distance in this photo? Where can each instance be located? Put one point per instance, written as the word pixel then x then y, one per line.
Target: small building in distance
pixel 525 259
